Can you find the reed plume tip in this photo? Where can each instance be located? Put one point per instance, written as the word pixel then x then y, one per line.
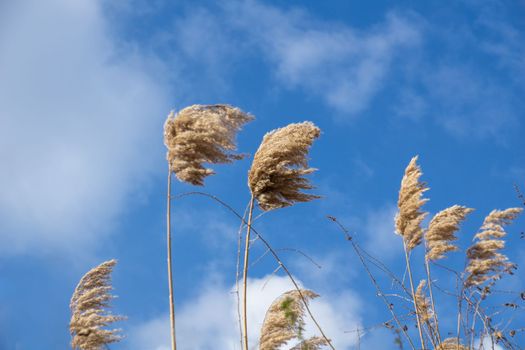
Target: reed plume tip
pixel 409 216
pixel 277 175
pixel 201 134
pixel 89 314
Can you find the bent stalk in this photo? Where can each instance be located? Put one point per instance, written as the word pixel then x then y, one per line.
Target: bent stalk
pixel 245 275
pixel 170 273
pixel 419 325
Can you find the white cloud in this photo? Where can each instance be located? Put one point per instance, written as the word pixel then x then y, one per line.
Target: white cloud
pixel 486 344
pixel 209 320
pixel 79 111
pixel 344 66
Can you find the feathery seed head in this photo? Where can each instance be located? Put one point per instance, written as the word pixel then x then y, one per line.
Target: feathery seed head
pixel 202 134
pixel 410 216
pixel 485 262
pixel 88 304
pixel 440 233
pixel 423 304
pixel 313 343
pixel 276 177
pixel 284 319
pixel 451 344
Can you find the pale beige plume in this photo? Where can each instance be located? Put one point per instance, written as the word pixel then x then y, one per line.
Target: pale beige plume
pixel 485 262
pixel 423 303
pixel 451 344
pixel 201 134
pixel 313 343
pixel 89 314
pixel 284 319
pixel 410 216
pixel 276 178
pixel 440 234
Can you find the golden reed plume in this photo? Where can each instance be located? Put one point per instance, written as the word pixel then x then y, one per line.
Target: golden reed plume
pixel 276 177
pixel 410 216
pixel 485 262
pixel 284 321
pixel 440 234
pixel 89 305
pixel 202 134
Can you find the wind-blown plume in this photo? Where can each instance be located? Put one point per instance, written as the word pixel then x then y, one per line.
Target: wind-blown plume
pixel 440 233
pixel 88 308
pixel 423 303
pixel 202 134
pixel 484 259
pixel 410 216
pixel 313 343
pixel 284 320
pixel 451 344
pixel 276 177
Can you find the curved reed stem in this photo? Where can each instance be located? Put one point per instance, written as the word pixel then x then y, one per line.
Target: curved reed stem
pixel 434 313
pixel 245 276
pixel 372 278
pixel 170 272
pixel 274 254
pixel 416 309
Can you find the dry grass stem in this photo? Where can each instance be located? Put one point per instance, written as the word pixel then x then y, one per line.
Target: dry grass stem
pixel 410 216
pixel 276 177
pixel 485 262
pixel 284 319
pixel 89 305
pixel 440 233
pixel 202 134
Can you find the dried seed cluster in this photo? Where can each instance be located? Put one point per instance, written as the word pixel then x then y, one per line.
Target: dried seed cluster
pixel 202 134
pixel 89 305
pixel 276 178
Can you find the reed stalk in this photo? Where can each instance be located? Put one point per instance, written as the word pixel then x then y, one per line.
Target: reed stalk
pixel 432 303
pixel 245 276
pixel 416 310
pixel 170 272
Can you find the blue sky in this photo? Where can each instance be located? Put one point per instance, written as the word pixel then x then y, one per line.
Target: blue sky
pixel 86 86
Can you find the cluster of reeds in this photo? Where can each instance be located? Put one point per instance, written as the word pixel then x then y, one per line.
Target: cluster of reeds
pixel 485 264
pixel 200 135
pixel 206 134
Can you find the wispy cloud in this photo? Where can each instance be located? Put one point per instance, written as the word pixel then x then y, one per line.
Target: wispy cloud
pixel 78 111
pixel 344 66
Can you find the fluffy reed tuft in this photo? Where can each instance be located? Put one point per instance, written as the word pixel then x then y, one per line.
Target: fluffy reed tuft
pixel 485 262
pixel 88 308
pixel 423 303
pixel 284 319
pixel 202 134
pixel 440 233
pixel 313 343
pixel 410 216
pixel 276 177
pixel 451 344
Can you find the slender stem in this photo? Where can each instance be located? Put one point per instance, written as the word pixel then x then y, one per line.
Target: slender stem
pixel 416 309
pixel 460 309
pixel 245 275
pixel 238 272
pixel 434 313
pixel 274 254
pixel 170 272
pixel 374 282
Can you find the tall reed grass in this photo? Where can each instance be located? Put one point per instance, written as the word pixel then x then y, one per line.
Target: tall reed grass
pixel 200 135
